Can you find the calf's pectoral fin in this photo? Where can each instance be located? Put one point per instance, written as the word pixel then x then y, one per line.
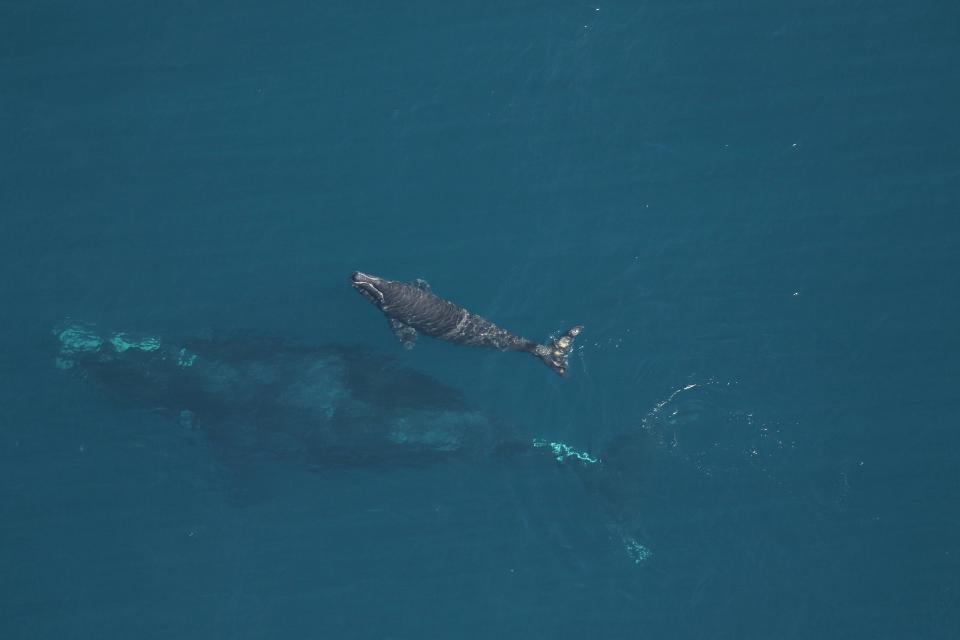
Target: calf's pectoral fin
pixel 406 334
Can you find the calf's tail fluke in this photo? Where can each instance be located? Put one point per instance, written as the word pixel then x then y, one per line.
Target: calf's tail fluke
pixel 555 354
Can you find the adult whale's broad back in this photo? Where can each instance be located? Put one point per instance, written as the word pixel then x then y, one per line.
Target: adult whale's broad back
pixel 412 308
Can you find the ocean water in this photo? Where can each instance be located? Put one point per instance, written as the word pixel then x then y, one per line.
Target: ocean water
pixel 750 206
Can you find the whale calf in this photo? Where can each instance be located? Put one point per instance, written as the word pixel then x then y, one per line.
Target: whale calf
pixel 412 308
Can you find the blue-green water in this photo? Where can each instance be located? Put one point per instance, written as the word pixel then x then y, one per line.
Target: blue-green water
pixel 752 208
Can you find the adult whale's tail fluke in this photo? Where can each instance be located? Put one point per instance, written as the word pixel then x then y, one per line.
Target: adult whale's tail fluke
pixel 555 354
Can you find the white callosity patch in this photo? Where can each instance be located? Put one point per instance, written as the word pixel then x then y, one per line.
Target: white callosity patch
pixel 185 358
pixel 122 342
pixel 563 451
pixel 637 552
pixel 75 339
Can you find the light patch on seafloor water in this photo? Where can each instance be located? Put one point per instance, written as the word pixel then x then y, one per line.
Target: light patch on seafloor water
pixel 563 451
pixel 435 430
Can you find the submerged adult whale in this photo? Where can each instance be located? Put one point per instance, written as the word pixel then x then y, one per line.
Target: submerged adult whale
pixel 329 406
pixel 412 307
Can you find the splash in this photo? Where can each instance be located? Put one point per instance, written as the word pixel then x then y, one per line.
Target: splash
pixel 660 405
pixel 562 452
pixel 713 426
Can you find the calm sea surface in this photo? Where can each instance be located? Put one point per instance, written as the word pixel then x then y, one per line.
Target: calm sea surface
pixel 751 206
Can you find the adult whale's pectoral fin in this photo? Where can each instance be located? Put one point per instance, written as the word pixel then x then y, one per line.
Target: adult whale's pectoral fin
pixel 423 285
pixel 406 334
pixel 555 354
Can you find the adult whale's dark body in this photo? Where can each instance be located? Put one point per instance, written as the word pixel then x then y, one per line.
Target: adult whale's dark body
pixel 412 308
pixel 324 406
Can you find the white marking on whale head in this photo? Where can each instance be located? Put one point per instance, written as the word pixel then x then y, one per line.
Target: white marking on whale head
pixel 367 286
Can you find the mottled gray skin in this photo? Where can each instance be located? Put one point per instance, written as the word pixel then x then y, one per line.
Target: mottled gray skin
pixel 412 307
